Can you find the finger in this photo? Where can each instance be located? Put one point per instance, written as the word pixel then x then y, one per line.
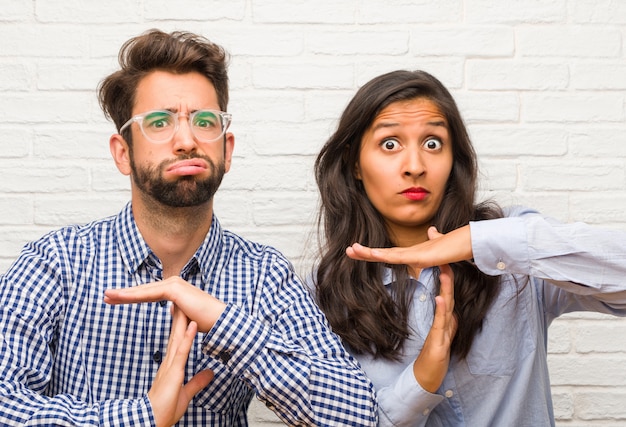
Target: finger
pixel 446 279
pixel 197 383
pixel 437 331
pixel 149 292
pixel 433 233
pixel 389 255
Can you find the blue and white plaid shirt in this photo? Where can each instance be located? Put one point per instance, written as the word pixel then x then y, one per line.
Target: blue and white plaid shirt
pixel 67 358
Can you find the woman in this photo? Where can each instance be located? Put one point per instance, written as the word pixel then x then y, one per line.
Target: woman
pixel 400 170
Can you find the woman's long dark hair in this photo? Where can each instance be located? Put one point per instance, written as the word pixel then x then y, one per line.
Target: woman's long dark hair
pixel 351 293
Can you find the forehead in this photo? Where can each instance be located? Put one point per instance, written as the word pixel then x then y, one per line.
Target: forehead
pixel 412 110
pixel 165 90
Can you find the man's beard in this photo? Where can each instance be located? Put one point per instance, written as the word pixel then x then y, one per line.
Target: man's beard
pixel 183 192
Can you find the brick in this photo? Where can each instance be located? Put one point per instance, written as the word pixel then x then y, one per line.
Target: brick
pixel 357 42
pixel 289 75
pixel 563 405
pixel 16 77
pixel 265 42
pixel 296 208
pixel 599 208
pixel 36 40
pixel 573 107
pixel 582 176
pixel 597 141
pixel 591 337
pixel 273 173
pixel 516 75
pixel 79 143
pixel 16 210
pixel 400 11
pixel 499 175
pixel 479 107
pixel 195 10
pixel 16 10
pixel 449 71
pixel 70 75
pixel 601 405
pixel 568 41
pixel 16 143
pixel 593 370
pixel 598 12
pixel 589 75
pixel 453 40
pixel 34 178
pixel 77 11
pixel 262 107
pixel 291 139
pixel 559 337
pixel 515 140
pixel 302 11
pixel 77 209
pixel 38 107
pixel 514 12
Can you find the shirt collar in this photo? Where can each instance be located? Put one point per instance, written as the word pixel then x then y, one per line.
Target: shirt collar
pixel 134 250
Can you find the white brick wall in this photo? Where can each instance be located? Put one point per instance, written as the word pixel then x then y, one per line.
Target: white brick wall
pixel 542 85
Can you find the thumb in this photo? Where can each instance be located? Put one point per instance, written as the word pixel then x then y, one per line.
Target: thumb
pixel 198 382
pixel 433 233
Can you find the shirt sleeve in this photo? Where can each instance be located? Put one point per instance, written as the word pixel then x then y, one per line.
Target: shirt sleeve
pixel 285 350
pixel 581 267
pixel 405 403
pixel 31 305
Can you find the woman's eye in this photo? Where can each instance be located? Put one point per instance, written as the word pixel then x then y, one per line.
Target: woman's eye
pixel 433 144
pixel 389 144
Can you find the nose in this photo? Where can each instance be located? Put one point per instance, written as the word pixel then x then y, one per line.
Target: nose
pixel 184 141
pixel 413 163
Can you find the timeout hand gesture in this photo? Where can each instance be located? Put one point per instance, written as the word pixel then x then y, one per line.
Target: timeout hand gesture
pixel 440 249
pixel 196 304
pixel 168 395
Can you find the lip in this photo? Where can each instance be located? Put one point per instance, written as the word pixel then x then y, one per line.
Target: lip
pixel 187 167
pixel 415 193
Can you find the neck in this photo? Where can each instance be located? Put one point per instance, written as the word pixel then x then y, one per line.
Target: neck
pixel 403 237
pixel 174 234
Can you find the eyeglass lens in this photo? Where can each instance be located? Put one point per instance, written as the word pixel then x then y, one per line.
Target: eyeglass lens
pixel 206 125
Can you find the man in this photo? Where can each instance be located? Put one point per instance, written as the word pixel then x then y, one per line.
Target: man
pixel 239 322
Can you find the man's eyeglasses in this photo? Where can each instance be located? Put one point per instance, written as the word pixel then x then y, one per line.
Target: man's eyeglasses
pixel 159 126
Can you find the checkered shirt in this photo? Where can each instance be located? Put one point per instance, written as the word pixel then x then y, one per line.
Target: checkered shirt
pixel 67 358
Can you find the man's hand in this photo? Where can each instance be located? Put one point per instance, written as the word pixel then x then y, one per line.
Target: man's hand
pixel 431 365
pixel 168 395
pixel 438 250
pixel 196 304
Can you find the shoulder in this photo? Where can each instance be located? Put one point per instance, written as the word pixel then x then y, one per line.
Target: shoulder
pixel 252 251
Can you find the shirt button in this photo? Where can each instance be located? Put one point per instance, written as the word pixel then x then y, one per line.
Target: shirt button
pixel 157 356
pixel 425 411
pixel 423 297
pixel 163 303
pixel 224 357
pixel 449 393
pixel 500 265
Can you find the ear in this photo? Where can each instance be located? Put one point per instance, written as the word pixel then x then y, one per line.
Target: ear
pixel 229 146
pixel 357 171
pixel 120 152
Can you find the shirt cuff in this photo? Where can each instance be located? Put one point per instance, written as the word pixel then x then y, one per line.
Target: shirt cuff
pixel 500 245
pixel 235 339
pixel 406 402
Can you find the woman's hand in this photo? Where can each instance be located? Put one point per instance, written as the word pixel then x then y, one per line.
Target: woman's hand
pixel 431 365
pixel 438 250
